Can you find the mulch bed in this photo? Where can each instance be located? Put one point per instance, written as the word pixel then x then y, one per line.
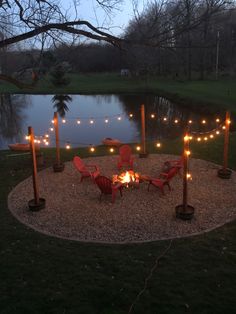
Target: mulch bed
pixel 73 210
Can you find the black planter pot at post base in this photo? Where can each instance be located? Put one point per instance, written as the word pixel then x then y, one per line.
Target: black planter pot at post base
pixel 143 155
pixel 184 213
pixel 58 167
pixel 36 207
pixel 224 173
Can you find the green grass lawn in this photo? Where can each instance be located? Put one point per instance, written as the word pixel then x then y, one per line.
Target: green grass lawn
pixel 41 274
pixel 212 94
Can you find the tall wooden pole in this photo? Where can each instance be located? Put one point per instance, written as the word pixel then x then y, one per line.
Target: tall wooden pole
pixel 143 131
pixel 217 54
pixel 55 119
pixel 35 178
pixel 226 140
pixel 185 171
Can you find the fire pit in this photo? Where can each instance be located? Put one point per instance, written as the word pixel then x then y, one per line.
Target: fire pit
pixel 127 178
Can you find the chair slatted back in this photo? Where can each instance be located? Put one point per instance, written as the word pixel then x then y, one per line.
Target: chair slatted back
pixel 104 184
pixel 172 172
pixel 125 152
pixel 78 163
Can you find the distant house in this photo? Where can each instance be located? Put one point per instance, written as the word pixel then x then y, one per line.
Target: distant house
pixel 124 72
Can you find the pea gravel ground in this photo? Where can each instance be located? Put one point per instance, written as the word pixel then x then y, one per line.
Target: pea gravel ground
pixel 73 210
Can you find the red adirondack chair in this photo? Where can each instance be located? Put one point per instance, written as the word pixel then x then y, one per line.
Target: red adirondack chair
pixel 178 163
pixel 107 187
pixel 164 179
pixel 86 171
pixel 125 158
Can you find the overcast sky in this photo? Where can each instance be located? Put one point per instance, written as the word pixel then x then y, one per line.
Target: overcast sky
pixel 89 10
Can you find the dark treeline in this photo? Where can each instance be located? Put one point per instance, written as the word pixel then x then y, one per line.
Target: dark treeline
pixel 182 39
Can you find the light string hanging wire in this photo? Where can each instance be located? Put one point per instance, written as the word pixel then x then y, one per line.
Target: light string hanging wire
pixel 193 135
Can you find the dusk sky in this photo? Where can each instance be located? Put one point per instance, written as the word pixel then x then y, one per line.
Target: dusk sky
pixel 119 19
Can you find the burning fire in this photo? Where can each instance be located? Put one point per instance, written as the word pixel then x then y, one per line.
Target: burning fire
pixel 126 177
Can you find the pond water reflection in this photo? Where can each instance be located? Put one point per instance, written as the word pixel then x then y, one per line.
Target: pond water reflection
pixel 17 112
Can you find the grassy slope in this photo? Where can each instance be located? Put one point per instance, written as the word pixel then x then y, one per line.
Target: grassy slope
pixel 221 92
pixel 40 274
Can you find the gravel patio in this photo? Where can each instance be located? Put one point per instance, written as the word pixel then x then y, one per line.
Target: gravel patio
pixel 73 210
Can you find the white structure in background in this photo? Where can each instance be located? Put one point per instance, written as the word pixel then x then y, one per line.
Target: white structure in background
pixel 124 72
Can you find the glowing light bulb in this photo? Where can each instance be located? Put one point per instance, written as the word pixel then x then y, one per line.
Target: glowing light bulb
pixel 52 121
pixel 78 121
pixel 68 146
pixel 27 137
pixel 217 132
pixel 176 121
pixel 111 150
pixel 223 127
pixel 152 115
pixel 119 118
pixel 51 129
pixel 205 138
pixel 189 176
pixel 199 139
pixel 217 120
pixel 36 141
pixel 211 136
pixel 186 138
pixel 138 148
pixel 190 121
pixel 203 121
pixel 91 121
pixel 228 121
pixel 47 135
pixel 190 138
pixel 131 115
pixel 187 152
pixel 46 143
pixel 92 149
pixel 63 121
pixel 106 120
pixel 158 145
pixel 164 119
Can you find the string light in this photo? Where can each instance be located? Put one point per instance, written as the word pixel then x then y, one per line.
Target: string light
pixel 106 120
pixel 152 115
pixel 211 136
pixel 187 152
pixel 53 121
pixel 164 119
pixel 217 132
pixel 199 139
pixel 176 121
pixel 92 149
pixel 223 127
pixel 158 145
pixel 51 129
pixel 131 115
pixel 189 176
pixel 186 138
pixel 91 121
pixel 119 118
pixel 63 121
pixel 203 121
pixel 111 150
pixel 190 138
pixel 78 121
pixel 217 120
pixel 27 137
pixel 68 146
pixel 205 138
pixel 46 143
pixel 47 135
pixel 138 148
pixel 190 121
pixel 228 121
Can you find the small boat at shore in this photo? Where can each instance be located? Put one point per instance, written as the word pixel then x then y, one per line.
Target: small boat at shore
pixel 22 147
pixel 111 141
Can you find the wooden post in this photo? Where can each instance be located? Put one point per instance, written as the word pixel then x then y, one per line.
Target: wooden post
pixel 185 171
pixel 143 131
pixel 35 179
pixel 226 140
pixel 55 119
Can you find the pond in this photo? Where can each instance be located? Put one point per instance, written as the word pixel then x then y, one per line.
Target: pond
pixel 110 115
